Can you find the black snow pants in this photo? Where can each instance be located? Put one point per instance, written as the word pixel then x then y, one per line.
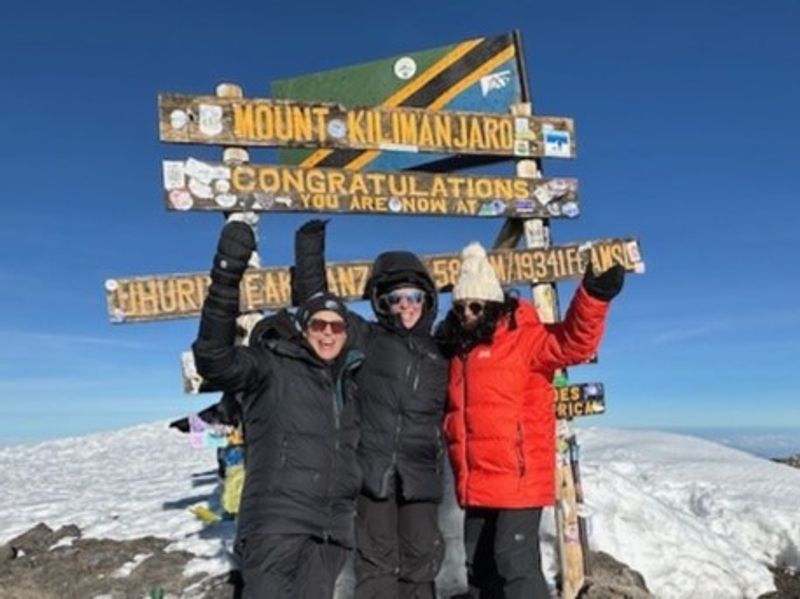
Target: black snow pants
pixel 289 567
pixel 502 549
pixel 399 548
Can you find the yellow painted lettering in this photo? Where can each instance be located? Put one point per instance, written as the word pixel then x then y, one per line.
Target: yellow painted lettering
pixel 243 126
pixel 243 178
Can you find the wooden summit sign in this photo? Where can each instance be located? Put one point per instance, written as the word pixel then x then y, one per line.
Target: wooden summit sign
pixel 181 295
pixel 265 122
pixel 587 399
pixel 196 185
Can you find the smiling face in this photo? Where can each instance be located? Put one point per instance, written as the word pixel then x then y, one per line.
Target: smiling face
pixel 469 312
pixel 326 333
pixel 407 302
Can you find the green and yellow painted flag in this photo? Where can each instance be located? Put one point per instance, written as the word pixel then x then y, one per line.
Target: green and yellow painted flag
pixel 477 75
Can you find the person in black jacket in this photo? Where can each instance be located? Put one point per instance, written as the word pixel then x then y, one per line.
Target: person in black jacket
pixel 402 389
pixel 301 424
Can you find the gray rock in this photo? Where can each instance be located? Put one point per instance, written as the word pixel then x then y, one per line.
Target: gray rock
pixel 787 584
pixel 611 579
pixel 793 461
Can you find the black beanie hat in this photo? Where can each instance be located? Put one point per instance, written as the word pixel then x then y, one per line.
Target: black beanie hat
pixel 322 300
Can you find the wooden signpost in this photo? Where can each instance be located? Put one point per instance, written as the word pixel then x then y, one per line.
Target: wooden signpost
pixel 265 122
pixel 165 297
pixel 445 108
pixel 196 185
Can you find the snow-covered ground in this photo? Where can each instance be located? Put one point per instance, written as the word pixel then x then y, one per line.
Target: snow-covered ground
pixel 697 519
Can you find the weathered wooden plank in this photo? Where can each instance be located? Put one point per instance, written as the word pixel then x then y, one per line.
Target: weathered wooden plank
pixel 586 399
pixel 165 297
pixel 196 185
pixel 283 123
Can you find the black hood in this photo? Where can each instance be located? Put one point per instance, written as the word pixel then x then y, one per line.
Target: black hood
pixel 391 269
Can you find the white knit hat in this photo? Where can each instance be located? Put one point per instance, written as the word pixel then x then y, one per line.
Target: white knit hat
pixel 477 279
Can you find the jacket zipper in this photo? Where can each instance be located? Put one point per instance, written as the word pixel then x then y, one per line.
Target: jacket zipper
pixel 338 392
pixel 465 360
pixel 520 450
pixel 412 374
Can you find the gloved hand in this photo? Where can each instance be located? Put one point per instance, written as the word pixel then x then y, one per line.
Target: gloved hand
pixel 308 272
pixel 606 285
pixel 236 243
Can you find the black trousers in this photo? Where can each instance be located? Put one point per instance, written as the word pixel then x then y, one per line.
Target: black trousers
pixel 289 567
pixel 503 559
pixel 399 549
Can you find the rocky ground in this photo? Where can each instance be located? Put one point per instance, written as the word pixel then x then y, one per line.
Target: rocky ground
pixel 59 564
pixel 610 579
pixel 793 461
pixel 46 564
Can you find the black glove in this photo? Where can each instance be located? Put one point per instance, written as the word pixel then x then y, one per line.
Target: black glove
pixel 606 285
pixel 236 243
pixel 308 272
pixel 182 424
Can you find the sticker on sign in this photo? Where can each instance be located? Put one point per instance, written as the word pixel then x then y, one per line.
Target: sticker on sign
pixel 495 81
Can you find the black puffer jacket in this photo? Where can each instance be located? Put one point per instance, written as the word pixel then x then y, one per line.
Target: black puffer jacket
pixel 402 385
pixel 300 422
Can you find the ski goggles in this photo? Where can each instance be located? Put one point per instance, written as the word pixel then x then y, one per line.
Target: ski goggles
pixel 319 325
pixel 461 308
pixel 412 296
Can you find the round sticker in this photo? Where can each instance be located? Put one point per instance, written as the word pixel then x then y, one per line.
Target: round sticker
pixel 111 285
pixel 178 119
pixel 395 205
pixel 559 186
pixel 226 200
pixel 405 68
pixel 181 199
pixel 570 209
pixel 337 128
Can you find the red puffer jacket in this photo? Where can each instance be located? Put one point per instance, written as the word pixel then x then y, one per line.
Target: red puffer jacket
pixel 500 421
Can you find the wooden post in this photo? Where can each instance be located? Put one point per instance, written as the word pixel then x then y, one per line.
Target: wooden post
pixel 231 156
pixel 536 233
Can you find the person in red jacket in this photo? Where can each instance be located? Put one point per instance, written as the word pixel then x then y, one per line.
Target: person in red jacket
pixel 500 419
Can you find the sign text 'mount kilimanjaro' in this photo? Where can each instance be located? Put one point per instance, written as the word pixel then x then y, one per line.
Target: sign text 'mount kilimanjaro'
pixel 181 295
pixel 196 185
pixel 264 122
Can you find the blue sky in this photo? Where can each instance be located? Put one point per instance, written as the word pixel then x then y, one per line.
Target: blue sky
pixel 688 136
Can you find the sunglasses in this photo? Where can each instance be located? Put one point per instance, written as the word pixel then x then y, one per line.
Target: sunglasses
pixel 460 308
pixel 318 325
pixel 412 297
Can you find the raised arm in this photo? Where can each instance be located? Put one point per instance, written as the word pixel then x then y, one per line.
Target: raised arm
pixel 227 366
pixel 308 272
pixel 577 337
pixel 309 275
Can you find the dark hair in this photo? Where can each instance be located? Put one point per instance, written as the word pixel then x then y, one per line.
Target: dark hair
pixel 455 340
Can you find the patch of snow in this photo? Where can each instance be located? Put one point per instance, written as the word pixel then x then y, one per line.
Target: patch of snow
pixel 697 519
pixel 127 568
pixel 63 542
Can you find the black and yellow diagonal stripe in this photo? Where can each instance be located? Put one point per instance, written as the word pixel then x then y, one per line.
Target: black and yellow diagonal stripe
pixel 464 65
